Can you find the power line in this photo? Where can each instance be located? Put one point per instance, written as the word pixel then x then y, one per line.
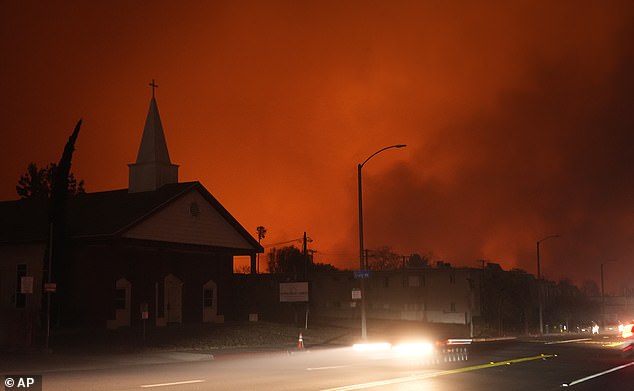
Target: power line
pixel 309 240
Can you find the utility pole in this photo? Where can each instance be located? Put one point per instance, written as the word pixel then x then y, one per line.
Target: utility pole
pixel 305 252
pixel 539 285
pixel 261 234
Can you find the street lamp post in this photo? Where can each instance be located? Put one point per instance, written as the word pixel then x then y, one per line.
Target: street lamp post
pixel 539 284
pixel 603 296
pixel 364 331
pixel 602 300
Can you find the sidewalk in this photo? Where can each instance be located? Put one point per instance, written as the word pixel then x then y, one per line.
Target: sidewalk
pixel 91 349
pixel 41 362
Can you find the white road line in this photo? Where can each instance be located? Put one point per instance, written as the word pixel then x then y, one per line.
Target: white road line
pixel 424 376
pixel 177 383
pixel 377 383
pixel 572 383
pixel 569 341
pixel 324 368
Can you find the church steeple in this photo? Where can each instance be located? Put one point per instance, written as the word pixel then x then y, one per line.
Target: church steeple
pixel 153 167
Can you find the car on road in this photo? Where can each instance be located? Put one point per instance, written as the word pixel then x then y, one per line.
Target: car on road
pixel 627 334
pixel 589 327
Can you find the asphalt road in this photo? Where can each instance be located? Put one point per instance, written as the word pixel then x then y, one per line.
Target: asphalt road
pixel 536 364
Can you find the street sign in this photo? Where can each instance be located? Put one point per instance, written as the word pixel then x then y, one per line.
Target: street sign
pixel 50 287
pixel 356 294
pixel 361 274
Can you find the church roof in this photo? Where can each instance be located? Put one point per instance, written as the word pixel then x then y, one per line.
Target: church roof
pixel 24 220
pixel 153 167
pixel 153 148
pixel 105 214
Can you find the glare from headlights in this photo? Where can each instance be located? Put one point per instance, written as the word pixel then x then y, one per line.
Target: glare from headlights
pixel 627 331
pixel 414 349
pixel 371 347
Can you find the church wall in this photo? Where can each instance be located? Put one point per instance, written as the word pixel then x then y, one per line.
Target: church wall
pixel 189 219
pixel 97 268
pixel 20 314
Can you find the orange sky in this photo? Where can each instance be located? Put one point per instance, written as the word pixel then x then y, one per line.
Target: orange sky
pixel 518 118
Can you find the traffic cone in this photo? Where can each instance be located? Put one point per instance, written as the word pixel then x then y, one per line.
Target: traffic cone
pixel 300 342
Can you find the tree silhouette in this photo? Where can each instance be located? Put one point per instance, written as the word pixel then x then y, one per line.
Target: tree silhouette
pixel 324 267
pixel 38 182
pixel 261 232
pixel 590 288
pixel 384 258
pixel 286 260
pixel 417 261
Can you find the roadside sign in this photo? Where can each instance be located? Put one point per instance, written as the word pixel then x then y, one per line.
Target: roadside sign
pixel 293 291
pixel 50 287
pixel 145 314
pixel 356 294
pixel 361 274
pixel 26 284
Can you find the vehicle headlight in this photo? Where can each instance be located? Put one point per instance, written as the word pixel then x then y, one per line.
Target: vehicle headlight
pixel 627 331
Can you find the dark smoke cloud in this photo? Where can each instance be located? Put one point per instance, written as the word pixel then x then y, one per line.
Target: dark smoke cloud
pixel 517 116
pixel 553 158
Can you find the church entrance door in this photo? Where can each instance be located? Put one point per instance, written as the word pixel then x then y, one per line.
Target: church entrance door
pixel 173 299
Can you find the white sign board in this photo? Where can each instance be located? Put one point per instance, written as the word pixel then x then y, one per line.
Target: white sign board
pixel 356 294
pixel 26 284
pixel 293 291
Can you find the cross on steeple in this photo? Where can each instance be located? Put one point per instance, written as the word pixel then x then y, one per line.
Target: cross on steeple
pixel 153 85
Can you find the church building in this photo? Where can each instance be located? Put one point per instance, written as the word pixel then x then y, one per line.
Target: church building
pixel 159 251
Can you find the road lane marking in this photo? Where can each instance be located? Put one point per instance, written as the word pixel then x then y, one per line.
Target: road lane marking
pixel 436 374
pixel 324 368
pixel 572 383
pixel 176 383
pixel 569 341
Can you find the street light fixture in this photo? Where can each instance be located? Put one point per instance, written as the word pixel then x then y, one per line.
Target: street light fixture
pixel 539 284
pixel 364 331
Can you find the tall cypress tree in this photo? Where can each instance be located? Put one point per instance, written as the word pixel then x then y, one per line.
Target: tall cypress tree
pixel 57 218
